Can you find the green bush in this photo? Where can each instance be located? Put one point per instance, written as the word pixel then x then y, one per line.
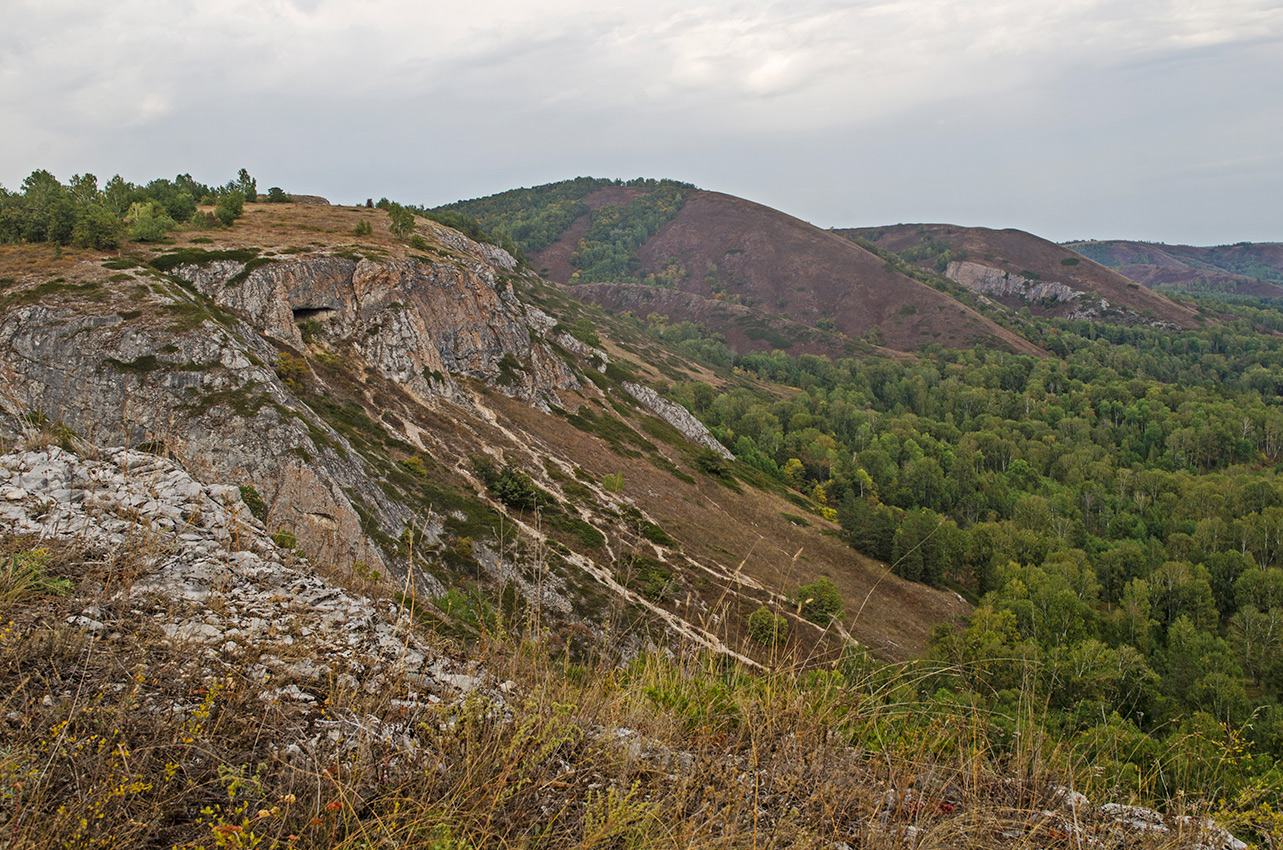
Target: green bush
pixel 363 228
pixel 710 462
pixel 511 486
pixel 820 602
pixel 400 221
pixel 254 502
pixel 230 207
pixel 768 628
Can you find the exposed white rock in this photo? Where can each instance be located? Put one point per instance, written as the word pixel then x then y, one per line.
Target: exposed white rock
pixel 988 280
pixel 213 579
pixel 677 416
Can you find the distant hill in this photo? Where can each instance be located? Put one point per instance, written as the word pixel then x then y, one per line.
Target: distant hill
pixel 760 277
pixel 1020 270
pixel 1244 268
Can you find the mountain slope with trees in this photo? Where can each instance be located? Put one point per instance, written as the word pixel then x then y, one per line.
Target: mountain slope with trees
pixel 1241 269
pixel 931 589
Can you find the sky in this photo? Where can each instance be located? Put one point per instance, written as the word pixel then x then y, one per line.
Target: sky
pixel 1159 120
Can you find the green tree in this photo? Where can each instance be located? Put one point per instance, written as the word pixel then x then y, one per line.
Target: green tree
pixel 117 196
pixel 148 221
pixel 246 185
pixel 1178 589
pixel 400 221
pixel 230 207
pixel 98 229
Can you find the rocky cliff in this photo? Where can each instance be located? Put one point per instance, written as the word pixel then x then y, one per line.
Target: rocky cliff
pixel 209 363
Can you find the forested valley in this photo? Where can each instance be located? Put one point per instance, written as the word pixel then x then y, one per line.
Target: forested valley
pixel 1114 511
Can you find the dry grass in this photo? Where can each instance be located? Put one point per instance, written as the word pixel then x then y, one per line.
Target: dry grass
pixel 115 737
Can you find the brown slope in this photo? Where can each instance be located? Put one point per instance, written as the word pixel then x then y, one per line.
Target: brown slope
pixel 744 253
pixel 1017 253
pixel 1187 267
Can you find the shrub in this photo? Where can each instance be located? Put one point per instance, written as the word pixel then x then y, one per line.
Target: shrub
pixel 309 329
pixel 254 502
pixel 293 371
pixel 276 195
pixel 363 228
pixel 820 602
pixel 510 370
pixel 710 462
pixel 400 221
pixel 613 482
pixel 768 628
pixel 511 486
pixel 230 207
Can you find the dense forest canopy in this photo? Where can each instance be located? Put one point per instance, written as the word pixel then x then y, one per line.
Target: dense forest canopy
pixel 1114 510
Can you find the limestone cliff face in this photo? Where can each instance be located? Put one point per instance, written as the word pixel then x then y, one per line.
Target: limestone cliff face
pixel 202 395
pixel 150 362
pixel 419 323
pixel 988 280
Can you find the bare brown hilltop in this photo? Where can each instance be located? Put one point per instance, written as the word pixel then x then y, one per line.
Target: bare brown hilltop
pixel 790 275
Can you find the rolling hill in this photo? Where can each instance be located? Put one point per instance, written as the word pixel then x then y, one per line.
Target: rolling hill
pixel 1241 269
pixel 763 279
pixel 1020 270
pixel 425 412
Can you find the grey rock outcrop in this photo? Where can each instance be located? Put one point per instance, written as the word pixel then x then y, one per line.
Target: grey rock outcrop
pixel 419 323
pixel 205 395
pixel 988 280
pixel 213 580
pixel 679 417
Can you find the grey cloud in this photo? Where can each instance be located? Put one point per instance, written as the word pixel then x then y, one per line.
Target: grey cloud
pixel 1065 118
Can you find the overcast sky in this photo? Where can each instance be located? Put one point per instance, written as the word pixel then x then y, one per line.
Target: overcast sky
pixel 1142 119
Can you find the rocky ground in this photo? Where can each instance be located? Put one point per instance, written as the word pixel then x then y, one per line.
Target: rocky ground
pixel 215 583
